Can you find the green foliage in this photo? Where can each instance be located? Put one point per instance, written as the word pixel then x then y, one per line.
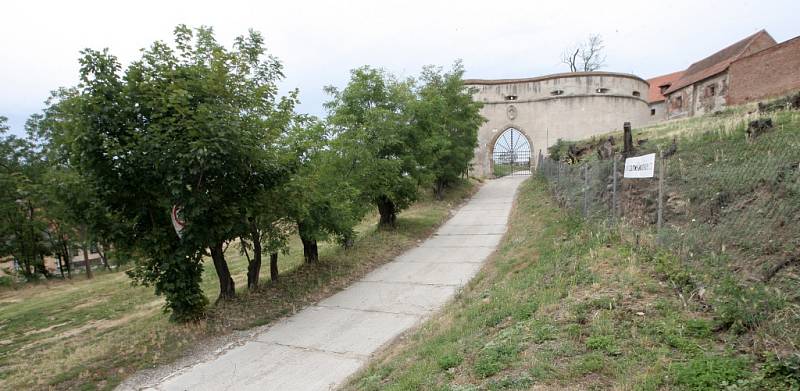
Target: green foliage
pixel 709 372
pixel 6 281
pixel 494 358
pixel 604 343
pixel 23 226
pixel 450 360
pixel 559 150
pixel 371 121
pixel 741 308
pixel 192 126
pixel 447 116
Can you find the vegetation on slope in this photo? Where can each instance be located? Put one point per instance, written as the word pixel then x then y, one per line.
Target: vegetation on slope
pixel 568 303
pixel 92 334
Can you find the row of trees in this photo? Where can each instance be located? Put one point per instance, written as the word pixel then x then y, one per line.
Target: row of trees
pixel 200 130
pixel 44 207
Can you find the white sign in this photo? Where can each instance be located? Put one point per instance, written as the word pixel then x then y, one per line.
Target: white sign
pixel 177 220
pixel 640 166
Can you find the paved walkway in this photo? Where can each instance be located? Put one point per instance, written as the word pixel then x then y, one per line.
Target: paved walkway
pixel 320 346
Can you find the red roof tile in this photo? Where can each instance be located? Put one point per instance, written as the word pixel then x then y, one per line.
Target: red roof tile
pixel 719 61
pixel 654 94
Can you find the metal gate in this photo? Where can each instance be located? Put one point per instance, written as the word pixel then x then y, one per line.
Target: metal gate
pixel 511 154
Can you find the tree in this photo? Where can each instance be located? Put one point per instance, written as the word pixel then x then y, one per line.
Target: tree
pixel 322 197
pixel 187 129
pixel 447 114
pixel 23 226
pixel 371 121
pixel 586 56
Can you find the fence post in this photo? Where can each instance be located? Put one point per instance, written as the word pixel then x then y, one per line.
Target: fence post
pixel 585 191
pixel 661 180
pixel 614 188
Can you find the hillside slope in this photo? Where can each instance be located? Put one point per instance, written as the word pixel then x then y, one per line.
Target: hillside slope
pixel 574 303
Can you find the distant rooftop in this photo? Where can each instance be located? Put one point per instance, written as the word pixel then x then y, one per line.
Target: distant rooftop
pixel 661 82
pixel 720 60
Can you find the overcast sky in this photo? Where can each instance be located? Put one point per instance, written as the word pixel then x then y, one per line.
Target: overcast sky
pixel 320 41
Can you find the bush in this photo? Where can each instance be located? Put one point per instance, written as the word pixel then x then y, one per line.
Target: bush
pixel 558 151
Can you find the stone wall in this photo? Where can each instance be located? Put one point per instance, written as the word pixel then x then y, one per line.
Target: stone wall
pixel 771 72
pixel 569 106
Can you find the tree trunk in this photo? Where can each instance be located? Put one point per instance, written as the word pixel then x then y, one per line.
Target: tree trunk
pixel 227 289
pixel 254 266
pixel 101 249
pixel 438 189
pixel 388 212
pixel 85 251
pixel 67 258
pixel 60 265
pixel 273 266
pixel 41 268
pixel 310 251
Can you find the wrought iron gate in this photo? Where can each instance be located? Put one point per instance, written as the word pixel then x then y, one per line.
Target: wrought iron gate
pixel 511 154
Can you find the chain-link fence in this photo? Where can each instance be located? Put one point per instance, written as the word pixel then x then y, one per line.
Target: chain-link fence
pixel 717 195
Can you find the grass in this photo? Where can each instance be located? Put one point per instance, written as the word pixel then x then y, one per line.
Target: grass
pixel 571 304
pixel 89 335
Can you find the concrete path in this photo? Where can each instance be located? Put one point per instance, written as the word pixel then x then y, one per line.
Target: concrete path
pixel 320 346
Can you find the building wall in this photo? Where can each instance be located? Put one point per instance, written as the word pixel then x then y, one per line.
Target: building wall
pixel 709 94
pixel 578 112
pixel 771 72
pixel 705 96
pixel 658 112
pixel 679 103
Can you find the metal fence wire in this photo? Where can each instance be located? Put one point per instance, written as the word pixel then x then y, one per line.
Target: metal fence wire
pixel 724 198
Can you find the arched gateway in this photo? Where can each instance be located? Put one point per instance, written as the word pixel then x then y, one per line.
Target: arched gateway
pixel 532 114
pixel 511 154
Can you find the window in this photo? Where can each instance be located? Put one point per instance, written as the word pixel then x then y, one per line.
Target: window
pixel 511 97
pixel 636 93
pixel 652 111
pixel 664 88
pixel 601 90
pixel 711 90
pixel 678 102
pixel 556 92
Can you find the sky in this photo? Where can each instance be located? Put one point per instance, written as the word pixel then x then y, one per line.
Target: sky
pixel 320 41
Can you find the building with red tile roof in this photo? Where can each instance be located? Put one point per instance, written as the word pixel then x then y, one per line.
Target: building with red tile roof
pixel 655 95
pixel 703 87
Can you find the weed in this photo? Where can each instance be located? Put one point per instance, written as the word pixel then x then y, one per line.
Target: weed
pixel 740 308
pixel 604 343
pixel 709 372
pixel 450 360
pixel 495 358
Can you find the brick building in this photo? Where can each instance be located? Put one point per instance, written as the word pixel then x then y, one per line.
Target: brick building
pixel 771 72
pixel 704 86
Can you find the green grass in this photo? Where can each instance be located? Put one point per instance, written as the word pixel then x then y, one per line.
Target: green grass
pixel 568 304
pixel 82 334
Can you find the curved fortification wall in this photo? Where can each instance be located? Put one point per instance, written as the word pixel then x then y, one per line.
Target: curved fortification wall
pixel 569 106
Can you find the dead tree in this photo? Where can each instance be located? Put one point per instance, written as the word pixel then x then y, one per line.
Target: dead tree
pixel 586 56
